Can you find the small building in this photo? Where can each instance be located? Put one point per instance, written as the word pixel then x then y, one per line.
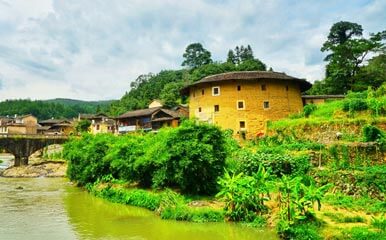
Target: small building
pixel 245 101
pixel 318 99
pixel 56 127
pixel 24 124
pixel 156 103
pixel 150 119
pixel 100 123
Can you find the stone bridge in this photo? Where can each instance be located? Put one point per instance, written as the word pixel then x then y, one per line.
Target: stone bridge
pixel 22 146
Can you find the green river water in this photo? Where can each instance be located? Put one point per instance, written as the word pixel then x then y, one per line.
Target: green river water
pixel 52 208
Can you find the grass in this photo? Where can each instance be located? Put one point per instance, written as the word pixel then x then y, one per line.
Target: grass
pixel 362 233
pixel 340 218
pixel 365 204
pixel 168 204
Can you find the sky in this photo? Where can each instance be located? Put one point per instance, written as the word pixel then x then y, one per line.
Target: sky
pixel 92 50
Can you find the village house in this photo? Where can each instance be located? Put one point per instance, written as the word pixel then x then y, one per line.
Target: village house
pixel 56 127
pixel 100 123
pixel 319 99
pixel 245 101
pixel 150 119
pixel 25 124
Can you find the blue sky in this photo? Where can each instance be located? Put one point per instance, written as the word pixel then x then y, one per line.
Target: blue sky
pixel 93 49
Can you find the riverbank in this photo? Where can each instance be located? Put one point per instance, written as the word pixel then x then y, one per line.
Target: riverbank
pixel 42 169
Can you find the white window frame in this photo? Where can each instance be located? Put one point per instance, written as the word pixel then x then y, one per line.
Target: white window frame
pixel 213 94
pixel 245 125
pixel 237 105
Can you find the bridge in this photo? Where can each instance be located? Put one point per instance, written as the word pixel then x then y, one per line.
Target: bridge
pixel 22 146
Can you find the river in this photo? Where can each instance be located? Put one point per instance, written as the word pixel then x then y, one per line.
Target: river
pixel 52 208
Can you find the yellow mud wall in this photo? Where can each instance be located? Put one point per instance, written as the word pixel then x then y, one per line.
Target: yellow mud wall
pixel 281 103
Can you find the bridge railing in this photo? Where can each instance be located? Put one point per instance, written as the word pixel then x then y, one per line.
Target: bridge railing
pixel 44 136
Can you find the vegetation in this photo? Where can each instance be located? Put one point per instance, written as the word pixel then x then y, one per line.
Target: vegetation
pixel 190 157
pixel 166 84
pixel 345 69
pixel 59 108
pixel 310 176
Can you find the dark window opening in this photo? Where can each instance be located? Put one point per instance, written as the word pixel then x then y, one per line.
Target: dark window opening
pixel 242 124
pixel 238 87
pixel 266 104
pixel 216 91
pixel 286 88
pixel 202 92
pixel 216 108
pixel 199 109
pixel 240 105
pixel 263 87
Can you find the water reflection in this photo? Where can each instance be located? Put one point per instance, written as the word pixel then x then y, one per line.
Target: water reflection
pixel 97 218
pixel 49 208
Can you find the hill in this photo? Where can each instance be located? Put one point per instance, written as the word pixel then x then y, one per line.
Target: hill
pixel 54 108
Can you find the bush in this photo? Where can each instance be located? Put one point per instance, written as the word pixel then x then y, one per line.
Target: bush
pixel 85 157
pixel 190 157
pixel 354 105
pixel 372 133
pixel 308 109
pixel 244 196
pixel 299 232
pixel 279 164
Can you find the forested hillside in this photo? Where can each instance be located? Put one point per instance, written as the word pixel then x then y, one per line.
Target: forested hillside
pixel 55 108
pixel 166 84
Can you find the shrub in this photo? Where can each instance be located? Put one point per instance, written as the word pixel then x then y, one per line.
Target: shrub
pixel 244 196
pixel 85 157
pixel 354 105
pixel 279 164
pixel 308 109
pixel 299 232
pixel 190 157
pixel 372 133
pixel 197 157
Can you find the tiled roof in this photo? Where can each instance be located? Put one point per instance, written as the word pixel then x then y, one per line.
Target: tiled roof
pixel 139 113
pixel 251 75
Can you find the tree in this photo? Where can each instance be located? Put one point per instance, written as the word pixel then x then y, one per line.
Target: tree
pixel 196 55
pixel 244 60
pixel 82 126
pixel 240 55
pixel 170 94
pixel 374 74
pixel 348 51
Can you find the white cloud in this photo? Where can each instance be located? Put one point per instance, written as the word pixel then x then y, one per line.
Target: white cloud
pixel 93 49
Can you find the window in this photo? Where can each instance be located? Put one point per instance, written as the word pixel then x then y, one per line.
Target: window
pixel 266 104
pixel 286 88
pixel 199 109
pixel 238 87
pixel 97 127
pixel 202 92
pixel 216 108
pixel 263 87
pixel 194 93
pixel 242 124
pixel 215 91
pixel 240 105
